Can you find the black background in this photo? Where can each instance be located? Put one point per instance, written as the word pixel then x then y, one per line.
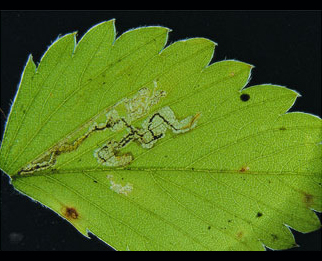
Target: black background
pixel 285 47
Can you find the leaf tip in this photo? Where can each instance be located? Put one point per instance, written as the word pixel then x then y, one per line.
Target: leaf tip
pixel 251 66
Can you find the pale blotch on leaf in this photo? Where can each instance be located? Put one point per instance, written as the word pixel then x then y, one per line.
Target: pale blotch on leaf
pixel 119 188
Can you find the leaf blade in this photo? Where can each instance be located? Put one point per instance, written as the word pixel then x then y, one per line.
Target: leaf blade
pixel 228 178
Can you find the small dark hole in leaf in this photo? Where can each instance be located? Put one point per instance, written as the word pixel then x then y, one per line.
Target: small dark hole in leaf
pixel 259 214
pixel 244 97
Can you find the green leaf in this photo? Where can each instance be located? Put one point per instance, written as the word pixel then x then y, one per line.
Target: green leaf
pixel 151 148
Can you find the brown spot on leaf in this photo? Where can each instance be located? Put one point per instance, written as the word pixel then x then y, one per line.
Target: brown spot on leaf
pixel 240 235
pixel 244 169
pixel 308 199
pixel 275 237
pixel 70 213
